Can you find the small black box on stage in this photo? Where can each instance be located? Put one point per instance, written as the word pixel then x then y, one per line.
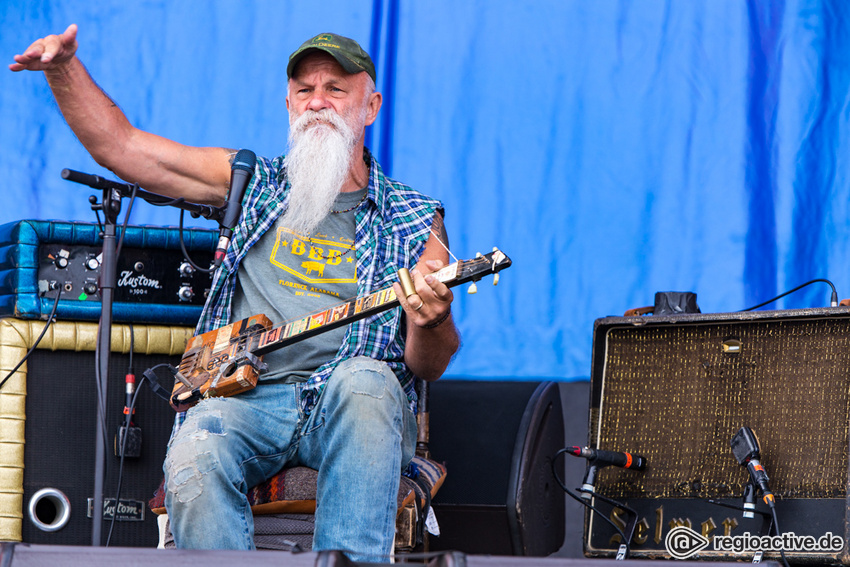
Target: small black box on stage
pixel 133 446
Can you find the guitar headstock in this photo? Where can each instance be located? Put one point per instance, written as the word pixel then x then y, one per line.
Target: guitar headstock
pixel 473 270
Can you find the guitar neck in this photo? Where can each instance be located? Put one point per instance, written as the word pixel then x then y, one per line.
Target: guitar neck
pixel 361 307
pixel 331 318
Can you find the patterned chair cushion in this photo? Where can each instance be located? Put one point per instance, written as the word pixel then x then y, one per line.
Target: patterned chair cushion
pixel 293 490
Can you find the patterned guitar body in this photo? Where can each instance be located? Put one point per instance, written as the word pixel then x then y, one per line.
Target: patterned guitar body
pixel 219 363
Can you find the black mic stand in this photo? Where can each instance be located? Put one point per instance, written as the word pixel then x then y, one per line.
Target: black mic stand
pixel 126 190
pixel 111 206
pixel 588 492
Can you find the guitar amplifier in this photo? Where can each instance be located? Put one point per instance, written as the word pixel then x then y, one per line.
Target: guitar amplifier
pixel 40 260
pixel 48 413
pixel 676 389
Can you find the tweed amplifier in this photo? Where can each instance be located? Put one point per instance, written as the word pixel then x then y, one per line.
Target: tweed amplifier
pixel 39 260
pixel 676 389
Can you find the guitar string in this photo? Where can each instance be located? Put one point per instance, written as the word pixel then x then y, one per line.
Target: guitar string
pixel 348 301
pixel 443 245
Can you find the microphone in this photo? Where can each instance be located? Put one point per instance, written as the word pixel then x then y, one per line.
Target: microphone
pixel 605 458
pixel 745 448
pixel 596 459
pixel 240 174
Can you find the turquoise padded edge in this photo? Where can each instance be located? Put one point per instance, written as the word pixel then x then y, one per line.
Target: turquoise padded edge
pixel 19 245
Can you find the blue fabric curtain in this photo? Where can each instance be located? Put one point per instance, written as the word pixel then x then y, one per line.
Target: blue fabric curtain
pixel 612 148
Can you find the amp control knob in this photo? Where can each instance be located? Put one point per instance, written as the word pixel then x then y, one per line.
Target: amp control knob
pixel 185 293
pixel 186 270
pixel 61 262
pixel 92 263
pixel 90 288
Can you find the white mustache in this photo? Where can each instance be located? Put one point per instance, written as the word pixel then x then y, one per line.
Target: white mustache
pixel 313 118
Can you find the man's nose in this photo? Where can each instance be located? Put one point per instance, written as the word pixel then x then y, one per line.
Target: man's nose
pixel 318 102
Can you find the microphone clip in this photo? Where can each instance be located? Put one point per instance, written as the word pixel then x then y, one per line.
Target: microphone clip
pixel 745 449
pixel 241 172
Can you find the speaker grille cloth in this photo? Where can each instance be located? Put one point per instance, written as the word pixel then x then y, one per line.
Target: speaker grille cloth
pixel 673 395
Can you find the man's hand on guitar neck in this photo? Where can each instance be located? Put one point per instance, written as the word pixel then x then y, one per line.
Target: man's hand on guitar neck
pixel 431 336
pixel 432 301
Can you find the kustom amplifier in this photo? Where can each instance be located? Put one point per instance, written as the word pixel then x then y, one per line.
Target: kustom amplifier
pixel 43 260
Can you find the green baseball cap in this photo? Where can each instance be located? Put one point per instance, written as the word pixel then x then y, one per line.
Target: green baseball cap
pixel 347 52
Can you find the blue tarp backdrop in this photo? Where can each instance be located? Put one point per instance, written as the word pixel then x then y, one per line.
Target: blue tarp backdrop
pixel 611 148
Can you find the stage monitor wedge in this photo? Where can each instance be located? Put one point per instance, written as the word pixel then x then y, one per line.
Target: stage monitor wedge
pixel 497 440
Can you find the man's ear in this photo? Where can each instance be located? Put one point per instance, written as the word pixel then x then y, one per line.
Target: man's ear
pixel 374 103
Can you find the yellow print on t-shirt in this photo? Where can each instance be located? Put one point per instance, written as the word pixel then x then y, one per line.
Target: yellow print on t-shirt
pixel 316 260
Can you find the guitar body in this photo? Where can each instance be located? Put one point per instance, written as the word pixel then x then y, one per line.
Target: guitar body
pixel 211 363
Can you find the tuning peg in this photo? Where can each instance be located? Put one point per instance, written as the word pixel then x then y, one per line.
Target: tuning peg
pixel 473 289
pixel 479 255
pixel 495 279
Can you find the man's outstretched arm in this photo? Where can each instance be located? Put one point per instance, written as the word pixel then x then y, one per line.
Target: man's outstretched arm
pixel 160 165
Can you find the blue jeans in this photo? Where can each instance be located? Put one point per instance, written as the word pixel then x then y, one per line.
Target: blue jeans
pixel 358 437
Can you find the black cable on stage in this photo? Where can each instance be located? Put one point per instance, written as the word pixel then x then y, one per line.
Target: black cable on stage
pixel 733 507
pixel 776 530
pixel 177 202
pixel 568 492
pixel 186 252
pixel 123 451
pixel 126 220
pixel 833 298
pixel 50 319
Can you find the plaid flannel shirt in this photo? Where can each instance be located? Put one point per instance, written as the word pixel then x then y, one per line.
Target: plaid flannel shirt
pixel 392 225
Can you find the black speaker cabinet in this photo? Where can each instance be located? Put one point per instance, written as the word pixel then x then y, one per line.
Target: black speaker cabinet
pixel 676 389
pixel 497 440
pixel 47 432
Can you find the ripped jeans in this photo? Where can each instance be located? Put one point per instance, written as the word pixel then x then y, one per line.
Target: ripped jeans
pixel 359 436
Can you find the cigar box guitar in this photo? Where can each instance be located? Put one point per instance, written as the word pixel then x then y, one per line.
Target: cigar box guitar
pixel 227 361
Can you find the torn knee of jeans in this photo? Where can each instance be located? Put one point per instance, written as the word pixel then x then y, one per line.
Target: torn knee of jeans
pixel 185 482
pixel 186 467
pixel 211 422
pixel 367 383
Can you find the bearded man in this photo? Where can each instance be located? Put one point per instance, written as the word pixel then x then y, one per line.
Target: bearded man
pixel 318 226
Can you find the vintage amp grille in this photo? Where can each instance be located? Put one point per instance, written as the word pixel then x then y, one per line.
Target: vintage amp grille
pixel 675 389
pixel 155 283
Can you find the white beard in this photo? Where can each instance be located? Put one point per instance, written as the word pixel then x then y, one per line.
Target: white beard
pixel 317 166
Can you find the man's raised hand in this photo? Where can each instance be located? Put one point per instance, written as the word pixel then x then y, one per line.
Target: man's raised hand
pixel 48 52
